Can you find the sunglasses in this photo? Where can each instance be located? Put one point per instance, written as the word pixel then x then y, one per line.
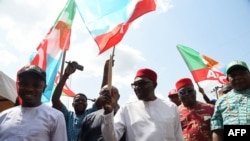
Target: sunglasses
pixel 184 92
pixel 139 84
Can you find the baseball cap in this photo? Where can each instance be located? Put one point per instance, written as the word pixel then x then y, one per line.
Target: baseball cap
pixel 236 64
pixel 32 69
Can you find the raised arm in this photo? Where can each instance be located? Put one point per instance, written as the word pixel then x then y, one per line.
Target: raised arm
pixel 98 101
pixel 205 97
pixel 56 102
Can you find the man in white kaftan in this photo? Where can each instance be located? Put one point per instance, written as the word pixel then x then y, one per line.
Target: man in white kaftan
pixel 148 119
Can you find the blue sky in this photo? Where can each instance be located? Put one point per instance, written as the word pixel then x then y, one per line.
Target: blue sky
pixel 216 28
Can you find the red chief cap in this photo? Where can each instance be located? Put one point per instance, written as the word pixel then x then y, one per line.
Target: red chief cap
pixel 146 72
pixel 183 82
pixel 172 92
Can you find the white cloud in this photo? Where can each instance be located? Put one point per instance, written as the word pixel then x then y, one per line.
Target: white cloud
pixel 7 58
pixel 163 6
pixel 24 24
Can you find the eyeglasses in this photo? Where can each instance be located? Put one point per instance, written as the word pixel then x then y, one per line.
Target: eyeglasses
pixel 139 84
pixel 184 92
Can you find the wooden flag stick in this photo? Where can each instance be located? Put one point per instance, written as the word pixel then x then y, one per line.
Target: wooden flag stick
pixel 110 70
pixel 62 64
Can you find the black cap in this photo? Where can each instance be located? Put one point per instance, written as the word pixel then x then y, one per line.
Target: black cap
pixel 32 69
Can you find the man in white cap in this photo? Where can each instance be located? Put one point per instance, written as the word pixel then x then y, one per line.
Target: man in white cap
pixel 233 108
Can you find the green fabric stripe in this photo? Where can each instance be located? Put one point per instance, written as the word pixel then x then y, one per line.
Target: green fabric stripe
pixel 69 12
pixel 192 58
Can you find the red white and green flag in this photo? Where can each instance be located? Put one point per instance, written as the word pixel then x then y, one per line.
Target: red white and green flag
pixel 206 72
pixel 50 51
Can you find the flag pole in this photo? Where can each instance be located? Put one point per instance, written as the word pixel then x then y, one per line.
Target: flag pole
pixel 62 64
pixel 63 58
pixel 110 73
pixel 110 70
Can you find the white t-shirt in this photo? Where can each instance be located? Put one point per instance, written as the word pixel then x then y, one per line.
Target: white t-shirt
pixel 41 123
pixel 157 120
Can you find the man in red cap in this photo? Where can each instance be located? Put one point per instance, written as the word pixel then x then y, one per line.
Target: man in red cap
pixel 147 119
pixel 195 115
pixel 174 97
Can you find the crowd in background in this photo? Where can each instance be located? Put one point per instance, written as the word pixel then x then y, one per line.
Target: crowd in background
pixel 181 118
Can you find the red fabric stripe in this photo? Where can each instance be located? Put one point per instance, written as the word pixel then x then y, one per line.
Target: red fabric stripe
pixel 208 74
pixel 110 39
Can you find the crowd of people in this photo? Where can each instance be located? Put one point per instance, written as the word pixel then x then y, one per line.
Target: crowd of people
pixel 180 118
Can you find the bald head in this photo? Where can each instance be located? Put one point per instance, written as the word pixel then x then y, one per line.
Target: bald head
pixel 114 91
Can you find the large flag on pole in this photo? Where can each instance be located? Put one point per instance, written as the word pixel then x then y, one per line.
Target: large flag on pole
pixel 50 50
pixel 207 72
pixel 108 20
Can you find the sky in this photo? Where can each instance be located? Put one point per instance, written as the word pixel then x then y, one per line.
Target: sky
pixel 216 28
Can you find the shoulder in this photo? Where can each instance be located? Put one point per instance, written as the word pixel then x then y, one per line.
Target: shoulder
pixel 50 111
pixel 204 105
pixel 230 96
pixel 157 103
pixel 131 103
pixel 165 102
pixel 95 113
pixel 10 111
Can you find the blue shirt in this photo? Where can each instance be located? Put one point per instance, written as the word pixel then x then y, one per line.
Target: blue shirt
pixel 232 108
pixel 73 122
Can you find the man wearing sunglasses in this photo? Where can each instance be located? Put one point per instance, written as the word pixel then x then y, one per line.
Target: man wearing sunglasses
pixel 147 119
pixel 195 115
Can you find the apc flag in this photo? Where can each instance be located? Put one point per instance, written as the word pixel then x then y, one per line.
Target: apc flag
pixel 207 72
pixel 50 50
pixel 108 20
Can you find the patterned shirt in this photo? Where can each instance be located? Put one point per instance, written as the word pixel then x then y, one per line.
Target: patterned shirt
pixel 232 109
pixel 73 122
pixel 195 121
